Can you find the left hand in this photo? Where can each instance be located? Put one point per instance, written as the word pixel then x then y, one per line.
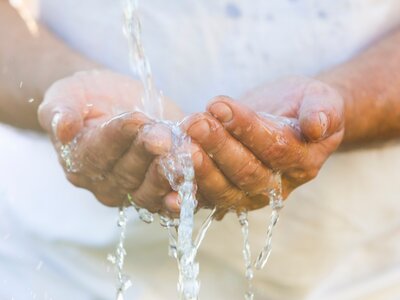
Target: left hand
pixel 240 149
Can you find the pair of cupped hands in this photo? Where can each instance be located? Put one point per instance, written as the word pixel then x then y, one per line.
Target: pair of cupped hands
pixel 290 126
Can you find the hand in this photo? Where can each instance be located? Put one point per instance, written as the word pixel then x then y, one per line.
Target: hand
pixel 240 148
pixel 96 116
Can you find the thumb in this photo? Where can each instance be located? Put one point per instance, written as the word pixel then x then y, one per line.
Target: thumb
pixel 61 114
pixel 321 112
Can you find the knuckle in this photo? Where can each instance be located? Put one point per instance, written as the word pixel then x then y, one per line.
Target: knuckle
pixel 302 175
pixel 153 204
pixel 220 142
pixel 227 197
pixel 126 180
pixel 92 160
pixel 312 173
pixel 245 171
pixel 203 168
pixel 107 201
pixel 252 178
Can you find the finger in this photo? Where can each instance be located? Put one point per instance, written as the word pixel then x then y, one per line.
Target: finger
pixel 62 110
pixel 131 168
pixel 172 204
pixel 212 185
pixel 102 147
pixel 156 138
pixel 210 182
pixel 237 163
pixel 276 144
pixel 153 188
pixel 152 139
pixel 321 112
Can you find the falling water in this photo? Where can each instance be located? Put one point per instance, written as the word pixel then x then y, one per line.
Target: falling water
pixel 244 223
pixel 179 170
pixel 171 225
pixel 276 204
pixel 178 167
pixel 152 99
pixel 177 164
pixel 118 258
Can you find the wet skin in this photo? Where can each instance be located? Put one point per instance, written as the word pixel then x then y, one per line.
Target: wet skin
pixel 235 150
pixel 114 159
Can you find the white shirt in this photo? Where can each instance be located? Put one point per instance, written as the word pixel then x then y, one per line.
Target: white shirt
pixel 339 236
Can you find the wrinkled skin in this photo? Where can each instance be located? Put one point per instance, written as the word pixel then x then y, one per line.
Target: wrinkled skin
pixel 113 153
pixel 247 147
pixel 235 149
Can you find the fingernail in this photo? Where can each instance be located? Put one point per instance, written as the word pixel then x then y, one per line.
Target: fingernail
pixel 221 111
pixel 129 129
pixel 199 130
pixel 323 120
pixel 178 201
pixel 54 123
pixel 197 159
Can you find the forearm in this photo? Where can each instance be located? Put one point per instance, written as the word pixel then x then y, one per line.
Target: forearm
pixel 28 66
pixel 370 85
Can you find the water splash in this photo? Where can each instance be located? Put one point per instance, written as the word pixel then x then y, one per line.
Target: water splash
pixel 178 168
pixel 67 153
pixel 144 214
pixel 276 204
pixel 244 224
pixel 177 165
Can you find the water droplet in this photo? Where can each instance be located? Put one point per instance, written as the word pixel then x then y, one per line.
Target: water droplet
pixel 31 100
pixel 120 295
pixel 111 258
pixel 145 215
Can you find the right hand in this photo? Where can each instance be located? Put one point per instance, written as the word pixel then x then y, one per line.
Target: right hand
pixel 111 156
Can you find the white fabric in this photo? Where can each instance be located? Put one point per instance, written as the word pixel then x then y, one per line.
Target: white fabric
pixel 339 236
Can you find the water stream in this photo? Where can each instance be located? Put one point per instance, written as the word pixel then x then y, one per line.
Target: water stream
pixel 178 169
pixel 244 224
pixel 276 204
pixel 177 164
pixel 118 258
